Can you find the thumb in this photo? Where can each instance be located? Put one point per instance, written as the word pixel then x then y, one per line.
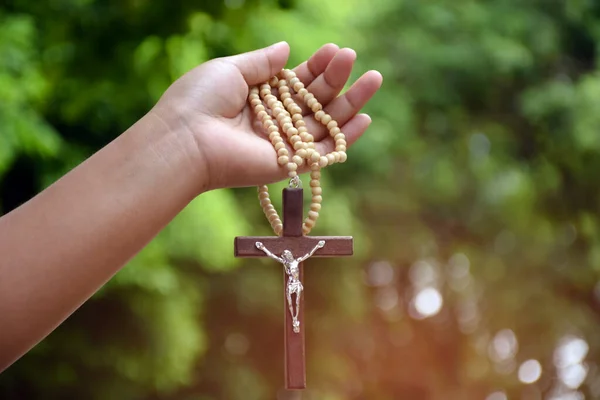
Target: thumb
pixel 260 65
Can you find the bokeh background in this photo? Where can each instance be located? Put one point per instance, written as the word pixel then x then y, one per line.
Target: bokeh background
pixel 473 200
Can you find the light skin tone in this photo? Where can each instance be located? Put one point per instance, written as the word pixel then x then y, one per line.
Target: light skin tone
pixel 60 247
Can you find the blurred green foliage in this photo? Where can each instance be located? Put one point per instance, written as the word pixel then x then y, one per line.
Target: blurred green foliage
pixel 473 201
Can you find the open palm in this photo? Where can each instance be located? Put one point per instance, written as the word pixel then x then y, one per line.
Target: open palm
pixel 211 101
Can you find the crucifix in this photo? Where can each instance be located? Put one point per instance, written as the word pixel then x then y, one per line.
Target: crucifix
pixel 291 249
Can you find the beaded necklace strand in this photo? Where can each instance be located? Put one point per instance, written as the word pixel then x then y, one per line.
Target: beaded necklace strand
pixel 289 119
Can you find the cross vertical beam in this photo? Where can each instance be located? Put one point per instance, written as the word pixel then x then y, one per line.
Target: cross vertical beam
pixel 295 363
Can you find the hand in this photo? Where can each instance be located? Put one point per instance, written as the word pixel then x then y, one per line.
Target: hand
pixel 211 103
pixel 260 246
pixel 321 244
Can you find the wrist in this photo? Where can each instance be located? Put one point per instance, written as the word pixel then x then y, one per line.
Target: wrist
pixel 175 143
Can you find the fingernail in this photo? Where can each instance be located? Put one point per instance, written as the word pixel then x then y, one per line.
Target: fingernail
pixel 278 44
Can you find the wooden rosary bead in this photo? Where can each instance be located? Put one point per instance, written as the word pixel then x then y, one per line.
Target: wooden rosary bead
pixel 298 160
pixel 301 153
pixel 298 146
pixel 307 137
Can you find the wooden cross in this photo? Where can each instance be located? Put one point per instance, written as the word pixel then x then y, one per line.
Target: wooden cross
pixel 293 240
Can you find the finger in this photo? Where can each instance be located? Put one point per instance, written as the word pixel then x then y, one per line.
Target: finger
pixel 346 106
pixel 309 70
pixel 353 130
pixel 260 65
pixel 330 83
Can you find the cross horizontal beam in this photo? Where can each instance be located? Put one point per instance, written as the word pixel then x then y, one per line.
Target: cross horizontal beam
pixel 335 246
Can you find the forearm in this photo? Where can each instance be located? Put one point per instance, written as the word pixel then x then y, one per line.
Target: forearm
pixel 60 247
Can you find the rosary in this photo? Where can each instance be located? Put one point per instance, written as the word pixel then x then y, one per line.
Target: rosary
pixel 284 116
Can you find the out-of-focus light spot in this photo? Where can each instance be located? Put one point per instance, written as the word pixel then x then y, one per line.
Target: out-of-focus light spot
pixel 504 242
pixel 530 371
pixel 468 316
pixel 380 273
pixel 428 302
pixel 497 396
pixel 422 273
pixel 479 146
pixel 386 298
pixel 568 359
pixel 571 350
pixel 459 265
pixel 567 396
pixel 573 375
pixel 459 277
pixel 504 346
pixel 237 344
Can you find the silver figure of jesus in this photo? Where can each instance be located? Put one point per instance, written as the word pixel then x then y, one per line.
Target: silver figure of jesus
pixel 294 286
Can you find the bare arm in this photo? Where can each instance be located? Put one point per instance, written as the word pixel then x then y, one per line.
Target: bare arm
pixel 312 252
pixel 60 247
pixel 260 246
